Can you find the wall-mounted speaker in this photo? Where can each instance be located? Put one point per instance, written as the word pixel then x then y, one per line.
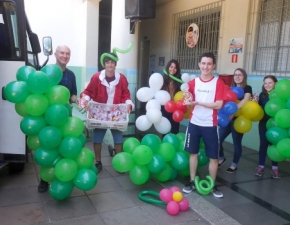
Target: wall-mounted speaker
pixel 140 9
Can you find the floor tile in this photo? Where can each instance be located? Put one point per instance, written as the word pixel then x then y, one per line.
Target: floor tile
pixel 110 201
pixel 94 219
pixel 18 180
pixel 33 213
pixel 69 208
pixel 105 185
pixel 134 215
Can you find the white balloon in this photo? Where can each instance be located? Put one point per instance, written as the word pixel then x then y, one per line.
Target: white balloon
pixel 162 97
pixel 153 104
pixel 163 126
pixel 154 115
pixel 184 87
pixel 144 94
pixel 142 123
pixel 192 76
pixel 185 77
pixel 156 81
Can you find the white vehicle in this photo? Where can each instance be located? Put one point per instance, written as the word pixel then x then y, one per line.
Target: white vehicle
pixel 19 46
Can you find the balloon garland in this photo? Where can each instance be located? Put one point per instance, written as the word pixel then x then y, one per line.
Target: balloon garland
pixel 115 50
pixel 172 77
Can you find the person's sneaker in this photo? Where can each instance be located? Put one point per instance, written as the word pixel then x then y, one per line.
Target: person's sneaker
pixel 259 171
pixel 43 186
pixel 189 187
pixel 230 170
pixel 112 151
pixel 216 192
pixel 99 166
pixel 275 174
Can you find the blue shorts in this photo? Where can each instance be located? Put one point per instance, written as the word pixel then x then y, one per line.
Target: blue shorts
pixel 210 138
pixel 99 134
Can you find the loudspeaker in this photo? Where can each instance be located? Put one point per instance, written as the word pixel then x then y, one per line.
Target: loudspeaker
pixel 140 9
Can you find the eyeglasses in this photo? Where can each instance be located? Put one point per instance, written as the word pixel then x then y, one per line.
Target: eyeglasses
pixel 238 75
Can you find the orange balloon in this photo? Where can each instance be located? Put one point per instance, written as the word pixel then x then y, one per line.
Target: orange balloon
pixel 178 96
pixel 242 124
pixel 188 112
pixel 260 116
pixel 251 109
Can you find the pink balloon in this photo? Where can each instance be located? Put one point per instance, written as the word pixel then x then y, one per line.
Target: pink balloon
pixel 183 204
pixel 172 208
pixel 165 195
pixel 174 189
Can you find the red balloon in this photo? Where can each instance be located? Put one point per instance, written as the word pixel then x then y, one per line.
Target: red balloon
pixel 231 96
pixel 170 106
pixel 178 116
pixel 181 106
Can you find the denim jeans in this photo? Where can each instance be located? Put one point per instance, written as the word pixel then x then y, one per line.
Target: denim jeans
pixel 237 141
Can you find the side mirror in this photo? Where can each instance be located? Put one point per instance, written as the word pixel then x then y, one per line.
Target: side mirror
pixel 47 46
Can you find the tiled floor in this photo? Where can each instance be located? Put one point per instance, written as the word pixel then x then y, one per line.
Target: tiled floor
pixel 247 199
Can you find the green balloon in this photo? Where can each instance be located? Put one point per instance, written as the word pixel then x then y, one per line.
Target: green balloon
pixel 180 161
pixel 85 179
pixel 123 162
pixel 45 157
pixel 185 172
pixel 130 144
pixel 36 104
pixel 167 151
pixel 274 155
pixel 283 147
pixel 54 74
pixel 273 106
pixel 61 190
pixel 20 109
pixel 282 118
pixel 33 142
pixel 156 165
pixel 172 139
pixel 37 82
pixel 74 127
pixel 152 141
pixel 94 169
pixel 181 149
pixel 58 94
pixel 83 139
pixel 32 125
pixel 70 147
pixel 173 174
pixel 56 115
pixel 85 159
pixel 16 91
pixel 271 123
pixel 165 174
pixel 50 137
pixel 273 95
pixel 69 108
pixel 66 169
pixel 202 158
pixel 139 174
pixel 276 134
pixel 47 174
pixel 181 137
pixel 142 155
pixel 23 72
pixel 282 88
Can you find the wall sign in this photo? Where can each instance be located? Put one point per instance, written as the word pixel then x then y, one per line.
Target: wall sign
pixel 192 35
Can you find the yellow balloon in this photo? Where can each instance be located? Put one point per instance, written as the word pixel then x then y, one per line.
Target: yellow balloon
pixel 242 124
pixel 178 96
pixel 259 116
pixel 251 109
pixel 177 196
pixel 238 113
pixel 188 113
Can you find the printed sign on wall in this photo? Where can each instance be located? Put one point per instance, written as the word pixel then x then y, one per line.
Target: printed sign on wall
pixel 192 35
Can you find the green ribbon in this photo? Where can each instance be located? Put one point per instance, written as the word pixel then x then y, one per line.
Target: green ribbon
pixel 172 77
pixel 150 200
pixel 115 50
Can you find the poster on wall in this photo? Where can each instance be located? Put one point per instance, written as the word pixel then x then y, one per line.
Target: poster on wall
pixel 236 45
pixel 192 34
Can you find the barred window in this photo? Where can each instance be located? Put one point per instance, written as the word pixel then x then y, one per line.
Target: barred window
pixel 208 19
pixel 272 53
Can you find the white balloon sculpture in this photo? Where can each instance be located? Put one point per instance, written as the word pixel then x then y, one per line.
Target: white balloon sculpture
pixel 155 98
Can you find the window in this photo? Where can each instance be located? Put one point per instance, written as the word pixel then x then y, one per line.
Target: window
pixel 207 18
pixel 272 53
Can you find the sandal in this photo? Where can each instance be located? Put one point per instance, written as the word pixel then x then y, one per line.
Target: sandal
pixel 99 166
pixel 222 162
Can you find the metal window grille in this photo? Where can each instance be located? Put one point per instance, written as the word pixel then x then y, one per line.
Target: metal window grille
pixel 208 19
pixel 271 49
